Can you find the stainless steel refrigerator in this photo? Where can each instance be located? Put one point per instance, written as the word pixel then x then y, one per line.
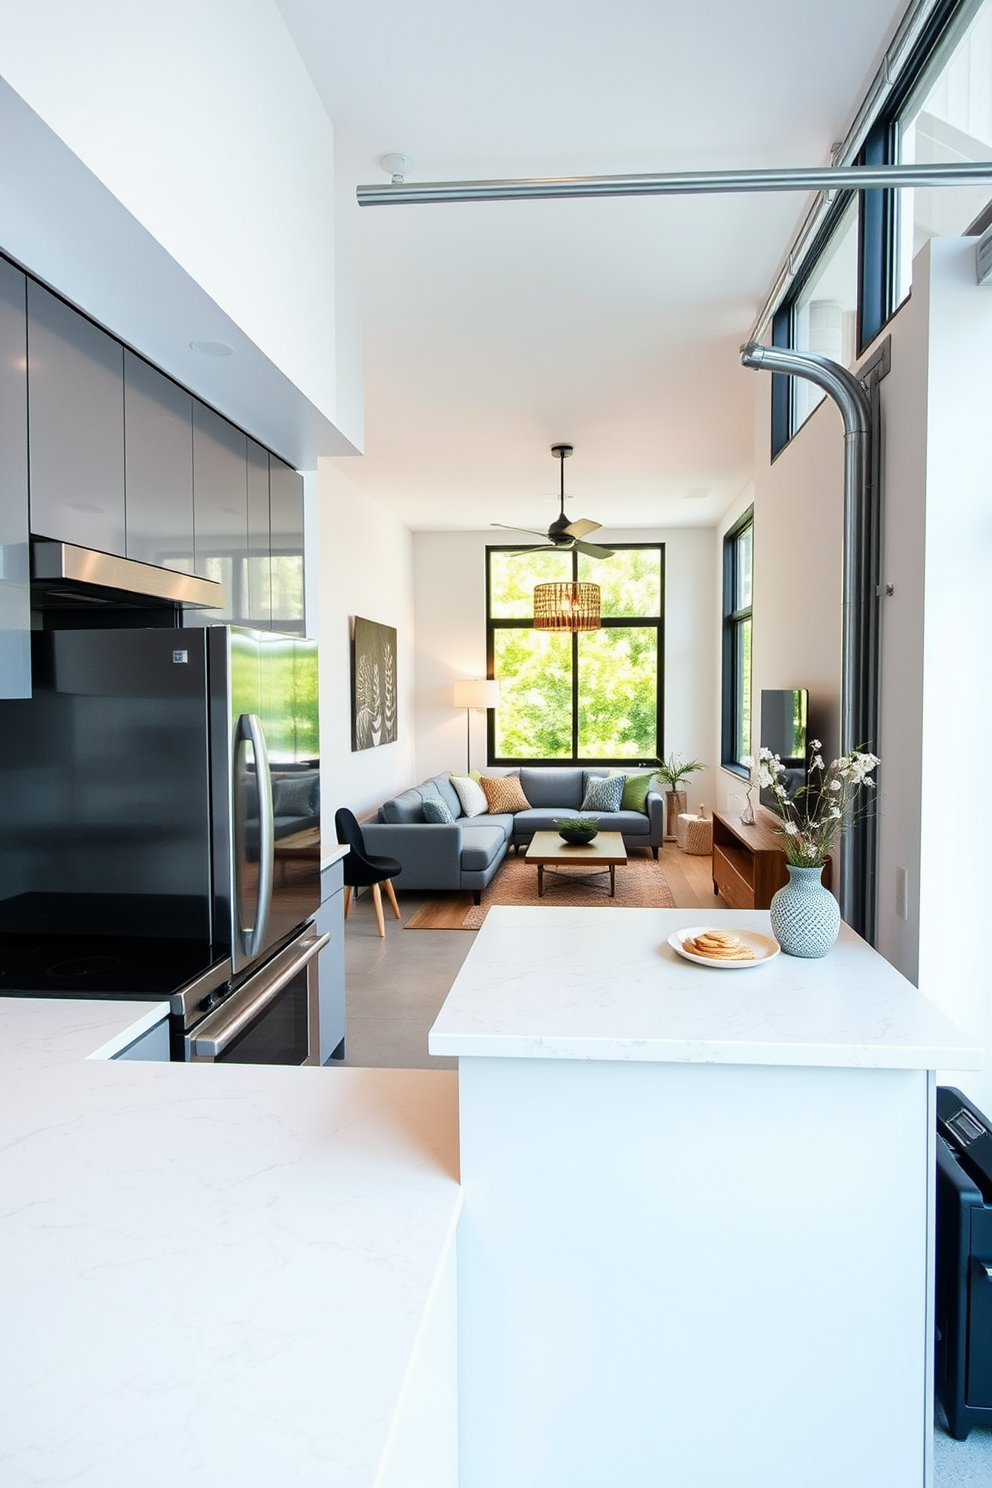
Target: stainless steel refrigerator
pixel 159 816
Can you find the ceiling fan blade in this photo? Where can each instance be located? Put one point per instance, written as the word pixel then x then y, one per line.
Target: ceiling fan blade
pixel 582 527
pixel 507 528
pixel 591 550
pixel 534 548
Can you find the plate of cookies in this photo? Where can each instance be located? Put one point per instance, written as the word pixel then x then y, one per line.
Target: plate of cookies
pixel 727 950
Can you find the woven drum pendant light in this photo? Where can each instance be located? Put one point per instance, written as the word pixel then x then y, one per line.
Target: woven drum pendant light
pixel 567 606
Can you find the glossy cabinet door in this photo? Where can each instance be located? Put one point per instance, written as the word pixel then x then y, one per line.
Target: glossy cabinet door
pixel 286 546
pixel 158 467
pixel 15 596
pixel 76 428
pixel 259 607
pixel 220 513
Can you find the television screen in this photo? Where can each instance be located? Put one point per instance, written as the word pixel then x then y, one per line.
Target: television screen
pixel 783 731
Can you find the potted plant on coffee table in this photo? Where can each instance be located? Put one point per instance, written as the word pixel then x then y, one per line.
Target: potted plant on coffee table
pixel 673 772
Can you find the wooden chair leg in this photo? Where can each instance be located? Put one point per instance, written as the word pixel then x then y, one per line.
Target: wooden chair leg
pixel 392 896
pixel 347 899
pixel 377 901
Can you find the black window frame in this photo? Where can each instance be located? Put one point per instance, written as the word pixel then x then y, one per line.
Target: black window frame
pixel 734 616
pixel 620 622
pixel 877 224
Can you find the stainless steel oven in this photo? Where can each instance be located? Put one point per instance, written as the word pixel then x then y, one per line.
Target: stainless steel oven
pixel 269 1018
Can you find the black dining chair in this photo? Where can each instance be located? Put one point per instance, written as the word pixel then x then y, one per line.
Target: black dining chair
pixel 361 870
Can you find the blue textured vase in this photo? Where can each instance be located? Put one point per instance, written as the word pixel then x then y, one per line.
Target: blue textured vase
pixel 805 915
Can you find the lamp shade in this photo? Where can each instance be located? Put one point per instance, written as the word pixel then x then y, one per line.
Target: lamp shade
pixel 567 607
pixel 476 692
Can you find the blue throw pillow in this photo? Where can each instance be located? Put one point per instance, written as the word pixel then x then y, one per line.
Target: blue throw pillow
pixel 604 793
pixel 436 811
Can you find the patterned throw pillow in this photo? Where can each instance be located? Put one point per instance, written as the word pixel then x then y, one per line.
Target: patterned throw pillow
pixel 603 793
pixel 436 811
pixel 504 793
pixel 471 795
pixel 635 792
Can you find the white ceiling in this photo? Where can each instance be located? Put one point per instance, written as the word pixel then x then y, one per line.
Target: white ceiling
pixel 495 329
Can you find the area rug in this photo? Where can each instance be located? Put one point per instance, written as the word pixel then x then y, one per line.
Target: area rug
pixel 641 884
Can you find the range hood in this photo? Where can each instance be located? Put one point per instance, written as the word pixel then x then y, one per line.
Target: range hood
pixel 64 576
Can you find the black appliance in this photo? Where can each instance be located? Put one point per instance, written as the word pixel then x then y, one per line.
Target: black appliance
pixel 159 832
pixel 964 1262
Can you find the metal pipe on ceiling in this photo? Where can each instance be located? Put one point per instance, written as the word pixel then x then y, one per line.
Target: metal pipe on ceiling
pixel 678 183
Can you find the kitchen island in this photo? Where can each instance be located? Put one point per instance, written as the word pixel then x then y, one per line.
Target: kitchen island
pixel 220 1274
pixel 696 1245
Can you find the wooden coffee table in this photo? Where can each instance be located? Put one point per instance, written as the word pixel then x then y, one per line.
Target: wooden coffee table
pixel 548 850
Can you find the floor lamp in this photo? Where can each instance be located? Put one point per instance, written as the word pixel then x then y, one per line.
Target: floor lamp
pixel 474 692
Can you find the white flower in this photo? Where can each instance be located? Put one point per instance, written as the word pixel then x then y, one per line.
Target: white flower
pixel 748 761
pixel 834 785
pixel 835 813
pixel 818 762
pixel 815 744
pixel 791 829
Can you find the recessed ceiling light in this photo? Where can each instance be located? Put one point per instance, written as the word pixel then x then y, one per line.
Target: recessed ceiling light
pixel 697 493
pixel 211 348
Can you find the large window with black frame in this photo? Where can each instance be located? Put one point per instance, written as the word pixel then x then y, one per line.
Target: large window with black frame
pixel 592 697
pixel 936 110
pixel 738 569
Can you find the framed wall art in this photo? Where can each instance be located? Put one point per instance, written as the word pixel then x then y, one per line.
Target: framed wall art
pixel 373 684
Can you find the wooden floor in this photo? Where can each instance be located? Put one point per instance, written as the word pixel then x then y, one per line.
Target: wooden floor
pixel 690 879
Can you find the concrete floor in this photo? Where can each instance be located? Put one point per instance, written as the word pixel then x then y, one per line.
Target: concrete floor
pixel 395 985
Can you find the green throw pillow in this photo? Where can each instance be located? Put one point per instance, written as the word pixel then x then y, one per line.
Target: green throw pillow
pixel 635 791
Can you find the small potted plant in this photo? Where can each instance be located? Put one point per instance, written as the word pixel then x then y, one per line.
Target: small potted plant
pixel 673 772
pixel 578 830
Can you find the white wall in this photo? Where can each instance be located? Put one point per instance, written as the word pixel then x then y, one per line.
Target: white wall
pixel 957 697
pixel 364 568
pixel 449 589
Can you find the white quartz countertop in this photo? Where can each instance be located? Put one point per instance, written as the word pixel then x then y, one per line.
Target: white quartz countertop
pixel 563 983
pixel 332 852
pixel 213 1275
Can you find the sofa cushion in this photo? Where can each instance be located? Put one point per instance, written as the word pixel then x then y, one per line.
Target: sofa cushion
pixel 552 787
pixel 630 823
pixel 448 793
pixel 408 806
pixel 471 795
pixel 480 845
pixel 635 792
pixel 543 818
pixel 504 793
pixel 603 794
pixel 503 819
pixel 436 811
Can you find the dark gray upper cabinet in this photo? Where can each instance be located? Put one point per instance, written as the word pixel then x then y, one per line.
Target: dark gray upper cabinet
pixel 75 427
pixel 286 546
pixel 259 576
pixel 158 467
pixel 15 597
pixel 220 513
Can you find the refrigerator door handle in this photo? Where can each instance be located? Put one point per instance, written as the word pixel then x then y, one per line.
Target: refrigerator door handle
pixel 253 936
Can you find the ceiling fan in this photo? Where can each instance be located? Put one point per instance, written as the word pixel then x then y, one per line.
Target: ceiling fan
pixel 562 533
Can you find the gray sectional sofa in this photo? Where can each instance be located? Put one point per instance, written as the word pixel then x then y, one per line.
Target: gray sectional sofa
pixel 465 853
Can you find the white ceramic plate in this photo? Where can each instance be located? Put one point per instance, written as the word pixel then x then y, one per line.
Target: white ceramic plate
pixel 764 947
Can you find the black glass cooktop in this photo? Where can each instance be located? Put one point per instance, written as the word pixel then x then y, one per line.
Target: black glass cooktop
pixel 98 965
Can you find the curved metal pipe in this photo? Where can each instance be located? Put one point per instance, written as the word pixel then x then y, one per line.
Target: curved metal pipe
pixel 678 183
pixel 858 706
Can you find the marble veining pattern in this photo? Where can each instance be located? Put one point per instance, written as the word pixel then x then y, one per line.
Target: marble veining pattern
pixel 213 1274
pixel 559 983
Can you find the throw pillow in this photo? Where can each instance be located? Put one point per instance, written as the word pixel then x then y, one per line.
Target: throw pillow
pixel 504 793
pixel 436 811
pixel 635 793
pixel 471 795
pixel 295 795
pixel 604 793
